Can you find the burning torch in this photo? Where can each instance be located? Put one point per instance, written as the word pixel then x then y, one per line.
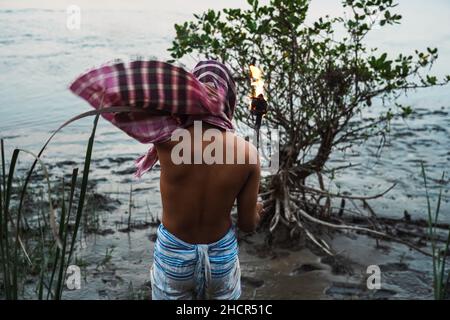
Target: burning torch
pixel 258 105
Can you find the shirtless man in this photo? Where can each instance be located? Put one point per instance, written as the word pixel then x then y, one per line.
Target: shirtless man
pixel 196 251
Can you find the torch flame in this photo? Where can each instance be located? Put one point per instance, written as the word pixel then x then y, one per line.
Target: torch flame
pixel 257 81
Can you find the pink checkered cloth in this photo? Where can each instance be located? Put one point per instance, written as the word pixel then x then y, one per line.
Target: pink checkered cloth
pixel 173 97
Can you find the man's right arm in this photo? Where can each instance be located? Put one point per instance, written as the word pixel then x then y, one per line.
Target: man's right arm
pixel 248 208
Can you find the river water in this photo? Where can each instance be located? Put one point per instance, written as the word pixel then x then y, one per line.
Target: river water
pixel 40 56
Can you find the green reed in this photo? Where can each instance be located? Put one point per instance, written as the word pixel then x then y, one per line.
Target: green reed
pixel 12 249
pixel 10 232
pixel 439 255
pixel 9 267
pixel 4 246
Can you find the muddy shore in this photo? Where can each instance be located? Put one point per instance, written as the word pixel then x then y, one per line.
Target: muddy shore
pixel 115 252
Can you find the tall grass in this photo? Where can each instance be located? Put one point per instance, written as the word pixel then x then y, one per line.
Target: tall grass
pixel 65 241
pixel 10 232
pixel 4 246
pixel 439 255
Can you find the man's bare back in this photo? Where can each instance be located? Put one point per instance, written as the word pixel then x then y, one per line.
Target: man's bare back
pixel 197 198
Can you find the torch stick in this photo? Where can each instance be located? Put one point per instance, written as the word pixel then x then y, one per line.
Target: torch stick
pixel 258 109
pixel 258 106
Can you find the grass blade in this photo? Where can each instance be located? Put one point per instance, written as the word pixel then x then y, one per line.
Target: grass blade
pixel 84 182
pixel 43 261
pixel 3 224
pixel 14 289
pixel 62 270
pixel 3 165
pixel 431 232
pixel 62 227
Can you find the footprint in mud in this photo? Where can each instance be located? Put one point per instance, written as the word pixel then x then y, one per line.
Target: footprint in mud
pixel 340 265
pixel 101 232
pixel 395 266
pixel 112 281
pixel 279 254
pixel 126 171
pixel 307 267
pixel 120 160
pixel 68 163
pixel 251 282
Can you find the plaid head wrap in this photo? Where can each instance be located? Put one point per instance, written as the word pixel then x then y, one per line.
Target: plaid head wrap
pixel 173 97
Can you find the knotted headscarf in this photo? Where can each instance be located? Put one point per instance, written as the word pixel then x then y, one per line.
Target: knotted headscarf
pixel 173 97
